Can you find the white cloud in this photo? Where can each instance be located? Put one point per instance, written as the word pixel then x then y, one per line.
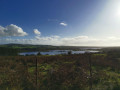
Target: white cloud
pixel 63 24
pixel 11 30
pixel 36 31
pixel 73 41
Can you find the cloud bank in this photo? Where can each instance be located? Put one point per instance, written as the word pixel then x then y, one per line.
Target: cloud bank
pixel 71 41
pixel 12 30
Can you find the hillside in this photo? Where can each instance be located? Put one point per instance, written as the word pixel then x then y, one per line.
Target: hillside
pixel 60 72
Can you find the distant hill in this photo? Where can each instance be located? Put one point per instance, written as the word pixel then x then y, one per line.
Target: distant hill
pixel 30 47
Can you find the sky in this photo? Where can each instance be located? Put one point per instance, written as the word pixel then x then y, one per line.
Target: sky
pixel 60 22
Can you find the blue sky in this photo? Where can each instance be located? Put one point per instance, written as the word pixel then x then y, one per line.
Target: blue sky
pixel 55 22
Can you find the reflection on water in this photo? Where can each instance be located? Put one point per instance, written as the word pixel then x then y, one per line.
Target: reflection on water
pixel 57 52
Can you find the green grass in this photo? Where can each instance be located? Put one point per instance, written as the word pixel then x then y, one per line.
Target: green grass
pixel 41 67
pixel 109 81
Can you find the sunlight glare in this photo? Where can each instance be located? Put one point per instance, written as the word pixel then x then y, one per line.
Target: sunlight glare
pixel 118 10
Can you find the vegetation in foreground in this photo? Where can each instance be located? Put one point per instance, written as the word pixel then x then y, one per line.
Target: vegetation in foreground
pixel 60 72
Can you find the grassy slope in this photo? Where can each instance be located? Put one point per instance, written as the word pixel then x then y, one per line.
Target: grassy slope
pixel 61 72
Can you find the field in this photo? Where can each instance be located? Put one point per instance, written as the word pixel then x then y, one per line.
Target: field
pixel 61 72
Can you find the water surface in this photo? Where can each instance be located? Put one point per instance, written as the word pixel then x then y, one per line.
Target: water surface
pixel 57 52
